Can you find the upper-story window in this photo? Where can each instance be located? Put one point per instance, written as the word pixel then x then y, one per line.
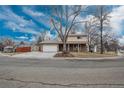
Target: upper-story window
pixel 79 37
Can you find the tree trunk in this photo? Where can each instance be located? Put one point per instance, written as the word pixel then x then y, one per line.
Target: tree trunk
pixel 64 47
pixel 101 30
pixel 101 38
pixel 88 48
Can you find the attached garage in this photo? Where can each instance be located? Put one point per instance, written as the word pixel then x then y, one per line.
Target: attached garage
pixel 50 48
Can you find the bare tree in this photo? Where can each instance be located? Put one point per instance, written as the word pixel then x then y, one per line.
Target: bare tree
pixel 109 40
pixel 102 14
pixel 41 37
pixel 8 42
pixel 64 18
pixel 91 32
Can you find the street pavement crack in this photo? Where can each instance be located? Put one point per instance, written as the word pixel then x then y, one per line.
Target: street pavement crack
pixel 55 84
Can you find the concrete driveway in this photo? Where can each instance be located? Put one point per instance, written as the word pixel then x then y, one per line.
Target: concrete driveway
pixel 34 55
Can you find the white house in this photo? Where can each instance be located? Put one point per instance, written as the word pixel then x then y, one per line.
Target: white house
pixel 75 43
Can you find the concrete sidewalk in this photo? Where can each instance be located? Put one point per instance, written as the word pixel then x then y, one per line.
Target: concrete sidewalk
pixel 1 54
pixel 41 55
pixel 35 55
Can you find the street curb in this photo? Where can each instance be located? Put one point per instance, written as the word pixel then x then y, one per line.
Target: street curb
pixel 103 58
pixel 98 58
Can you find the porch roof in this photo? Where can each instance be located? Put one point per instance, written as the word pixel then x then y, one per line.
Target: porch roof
pixel 60 42
pixel 73 35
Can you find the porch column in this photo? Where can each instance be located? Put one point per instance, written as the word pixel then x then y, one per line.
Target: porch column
pixel 68 48
pixel 78 48
pixel 58 48
pixel 73 47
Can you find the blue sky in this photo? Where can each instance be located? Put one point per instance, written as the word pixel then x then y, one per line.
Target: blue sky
pixel 24 23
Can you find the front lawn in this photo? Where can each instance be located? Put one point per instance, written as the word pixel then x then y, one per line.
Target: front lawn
pixel 88 54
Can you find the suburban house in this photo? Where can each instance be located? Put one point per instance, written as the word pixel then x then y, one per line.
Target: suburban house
pixel 8 49
pixel 75 43
pixel 8 46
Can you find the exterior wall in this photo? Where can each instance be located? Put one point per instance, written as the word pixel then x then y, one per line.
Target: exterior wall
pixel 75 38
pixel 8 50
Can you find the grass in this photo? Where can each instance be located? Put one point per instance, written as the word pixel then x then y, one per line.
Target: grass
pixel 61 54
pixel 88 54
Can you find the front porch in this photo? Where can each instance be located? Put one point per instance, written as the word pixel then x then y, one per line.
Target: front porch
pixel 73 47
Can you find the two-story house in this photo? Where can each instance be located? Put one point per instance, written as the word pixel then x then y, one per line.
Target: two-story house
pixel 75 43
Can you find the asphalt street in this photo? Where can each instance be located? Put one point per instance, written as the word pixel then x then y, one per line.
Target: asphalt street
pixel 57 73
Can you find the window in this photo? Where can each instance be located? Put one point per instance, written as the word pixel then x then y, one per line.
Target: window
pixel 79 37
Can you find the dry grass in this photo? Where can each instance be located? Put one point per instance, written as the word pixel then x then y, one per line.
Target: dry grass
pixel 61 54
pixel 88 55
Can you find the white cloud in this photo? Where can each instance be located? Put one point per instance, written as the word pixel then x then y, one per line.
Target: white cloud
pixel 7 15
pixel 16 22
pixel 16 27
pixel 121 40
pixel 117 17
pixel 22 37
pixel 38 16
pixel 83 19
pixel 32 39
pixel 33 13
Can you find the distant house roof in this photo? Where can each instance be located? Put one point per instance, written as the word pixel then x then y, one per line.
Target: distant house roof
pixel 22 44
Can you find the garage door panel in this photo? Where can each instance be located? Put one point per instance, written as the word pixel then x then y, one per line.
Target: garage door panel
pixel 49 48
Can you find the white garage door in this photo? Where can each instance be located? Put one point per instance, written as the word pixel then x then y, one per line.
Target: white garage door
pixel 49 48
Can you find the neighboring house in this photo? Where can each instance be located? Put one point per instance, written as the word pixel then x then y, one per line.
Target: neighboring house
pixel 8 49
pixel 75 43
